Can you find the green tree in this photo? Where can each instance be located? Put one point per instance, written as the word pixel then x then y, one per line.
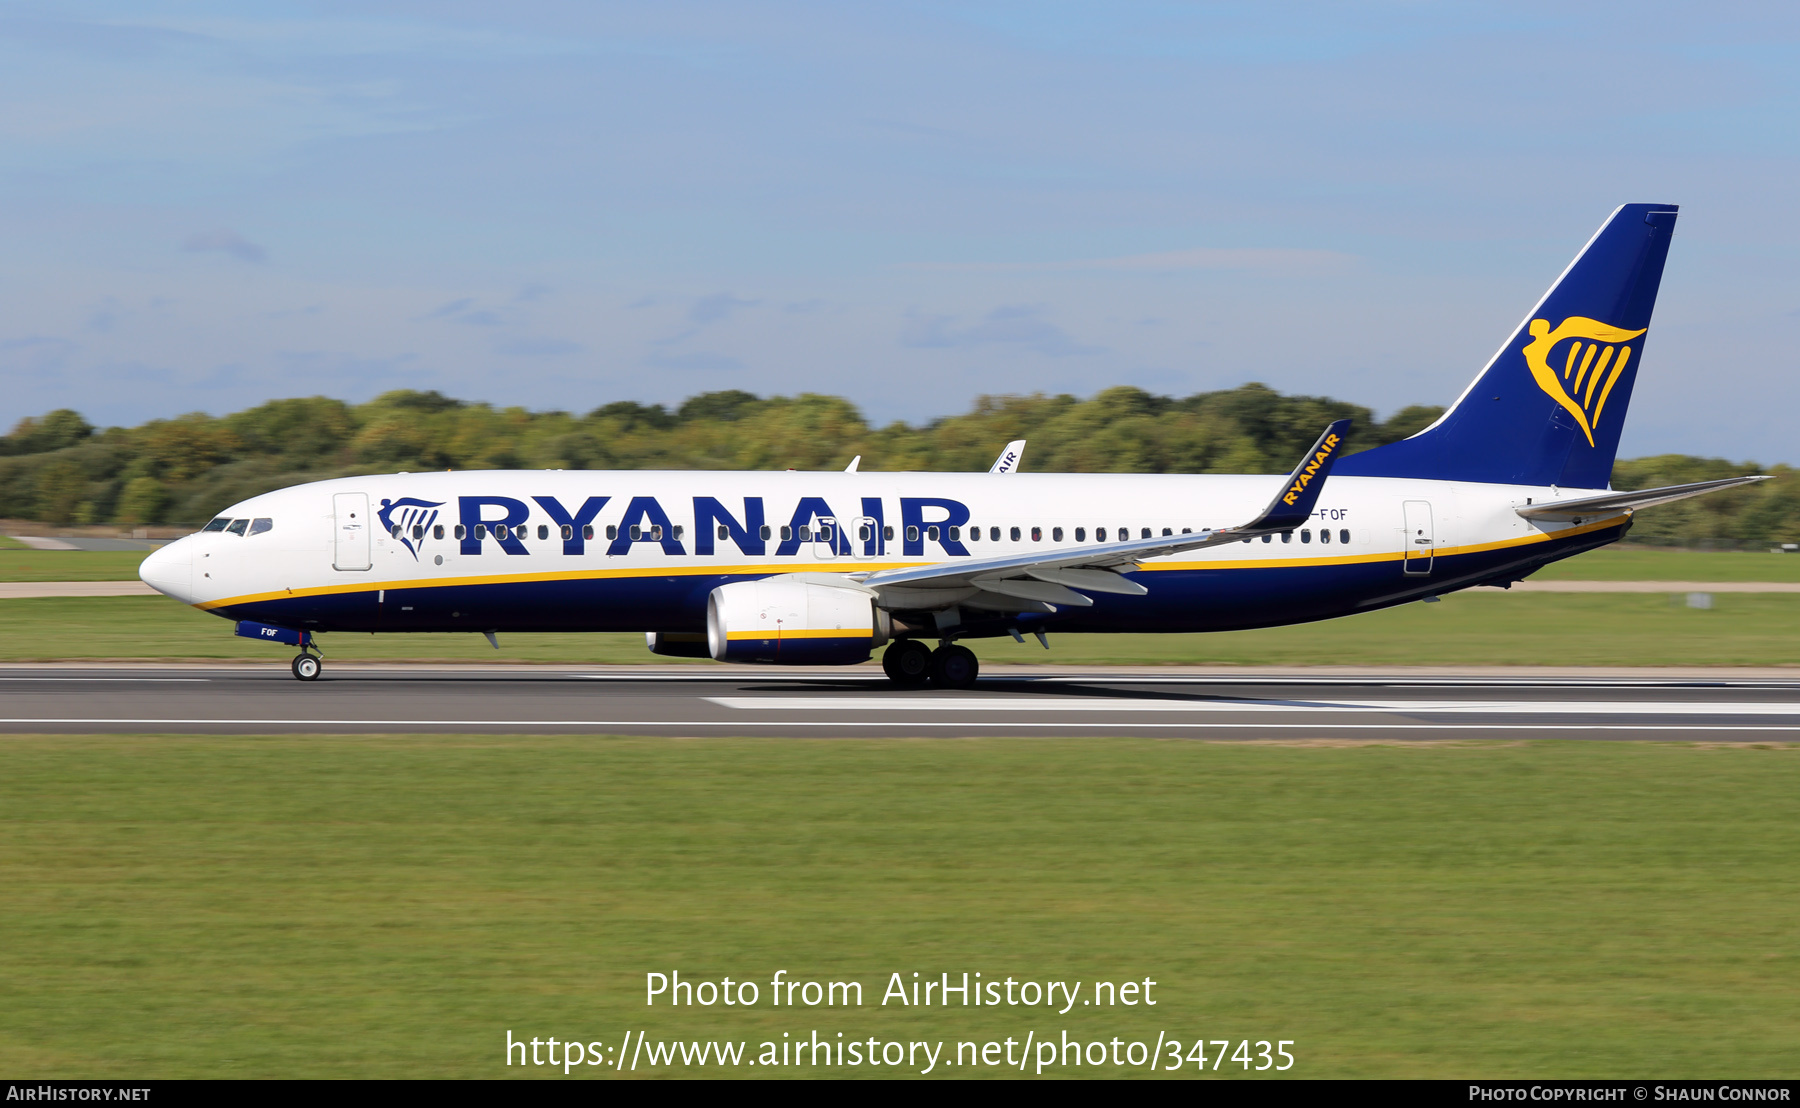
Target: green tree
pixel 143 501
pixel 61 488
pixel 59 429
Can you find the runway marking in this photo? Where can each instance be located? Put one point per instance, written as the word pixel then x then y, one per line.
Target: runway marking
pixel 1013 725
pixel 139 680
pixel 1401 707
pixel 1246 679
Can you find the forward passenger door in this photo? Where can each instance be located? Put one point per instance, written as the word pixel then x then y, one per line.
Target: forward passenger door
pixel 350 552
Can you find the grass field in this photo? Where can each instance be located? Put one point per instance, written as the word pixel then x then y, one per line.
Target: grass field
pixel 381 906
pixel 1645 563
pixel 1630 563
pixel 1487 628
pixel 24 564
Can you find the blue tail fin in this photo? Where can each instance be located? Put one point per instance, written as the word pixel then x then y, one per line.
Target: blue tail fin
pixel 1548 408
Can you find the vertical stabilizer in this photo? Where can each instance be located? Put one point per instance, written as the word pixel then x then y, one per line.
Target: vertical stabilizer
pixel 1548 408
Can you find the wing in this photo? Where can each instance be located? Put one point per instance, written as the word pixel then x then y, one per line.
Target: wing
pixel 1592 506
pixel 1054 576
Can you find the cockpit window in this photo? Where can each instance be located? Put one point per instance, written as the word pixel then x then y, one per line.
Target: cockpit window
pixel 261 524
pixel 217 524
pixel 237 527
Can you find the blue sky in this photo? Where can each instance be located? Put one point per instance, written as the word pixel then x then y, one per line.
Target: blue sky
pixel 207 205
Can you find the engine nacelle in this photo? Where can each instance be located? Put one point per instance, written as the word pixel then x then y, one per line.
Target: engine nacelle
pixel 795 622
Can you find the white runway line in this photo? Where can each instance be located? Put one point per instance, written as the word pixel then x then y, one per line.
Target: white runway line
pixel 1002 725
pixel 1099 678
pixel 137 680
pixel 1280 707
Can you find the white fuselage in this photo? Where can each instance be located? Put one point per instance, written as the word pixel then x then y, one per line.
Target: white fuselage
pixel 330 557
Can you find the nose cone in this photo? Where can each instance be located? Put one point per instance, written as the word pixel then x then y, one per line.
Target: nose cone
pixel 170 570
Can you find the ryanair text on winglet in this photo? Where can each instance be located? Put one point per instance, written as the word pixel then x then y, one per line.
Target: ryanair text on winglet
pixel 1310 469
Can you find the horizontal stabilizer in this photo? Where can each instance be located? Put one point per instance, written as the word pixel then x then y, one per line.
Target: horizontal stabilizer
pixel 1590 506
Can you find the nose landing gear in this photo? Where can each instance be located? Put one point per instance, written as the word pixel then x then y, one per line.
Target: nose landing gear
pixel 307 666
pixel 910 664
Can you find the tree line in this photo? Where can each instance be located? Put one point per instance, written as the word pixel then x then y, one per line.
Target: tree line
pixel 61 470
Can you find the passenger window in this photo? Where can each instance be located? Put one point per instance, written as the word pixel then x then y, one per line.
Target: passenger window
pixel 993 534
pixel 656 532
pixel 237 527
pixel 587 530
pixel 217 525
pixel 481 531
pixel 1099 534
pixel 955 534
pixel 1145 534
pixel 1184 530
pixel 863 533
pixel 888 532
pixel 459 531
pixel 612 531
pixel 1081 534
pixel 1324 534
pixel 974 534
pixel 1037 534
pixel 502 532
pixel 679 529
pixel 1015 534
pixel 724 531
pixel 1305 535
pixel 1268 538
pixel 1287 536
pixel 1056 534
pixel 418 530
pixel 823 534
pixel 912 534
pixel 1344 535
pixel 931 533
pixel 543 531
pixel 438 532
pixel 264 523
pixel 393 532
pixel 567 532
pixel 1246 540
pixel 637 532
pixel 1166 531
pixel 806 534
pixel 787 533
pixel 764 532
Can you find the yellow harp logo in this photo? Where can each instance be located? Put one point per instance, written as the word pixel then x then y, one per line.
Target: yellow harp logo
pixel 1595 351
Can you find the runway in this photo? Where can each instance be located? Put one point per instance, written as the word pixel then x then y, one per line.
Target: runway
pixel 1045 701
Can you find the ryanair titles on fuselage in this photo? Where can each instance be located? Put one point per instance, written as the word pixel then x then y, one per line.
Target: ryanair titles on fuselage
pixel 418 523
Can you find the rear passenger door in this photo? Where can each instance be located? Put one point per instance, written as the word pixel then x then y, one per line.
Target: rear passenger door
pixel 1419 538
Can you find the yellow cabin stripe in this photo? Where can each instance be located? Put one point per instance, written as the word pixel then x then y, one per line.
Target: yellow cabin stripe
pixel 767 569
pixel 1390 556
pixel 843 633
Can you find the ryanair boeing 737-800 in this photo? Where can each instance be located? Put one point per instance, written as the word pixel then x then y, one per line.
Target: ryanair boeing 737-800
pixel 823 568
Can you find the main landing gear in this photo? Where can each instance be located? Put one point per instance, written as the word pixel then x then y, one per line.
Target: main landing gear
pixel 307 666
pixel 909 663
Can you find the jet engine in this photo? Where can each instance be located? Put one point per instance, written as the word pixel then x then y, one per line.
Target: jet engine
pixel 794 621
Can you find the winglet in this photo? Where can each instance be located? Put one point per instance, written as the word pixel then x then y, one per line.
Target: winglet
pixel 854 462
pixel 1293 505
pixel 1008 461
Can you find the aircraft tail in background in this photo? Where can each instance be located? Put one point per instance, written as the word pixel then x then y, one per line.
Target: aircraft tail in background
pixel 1548 408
